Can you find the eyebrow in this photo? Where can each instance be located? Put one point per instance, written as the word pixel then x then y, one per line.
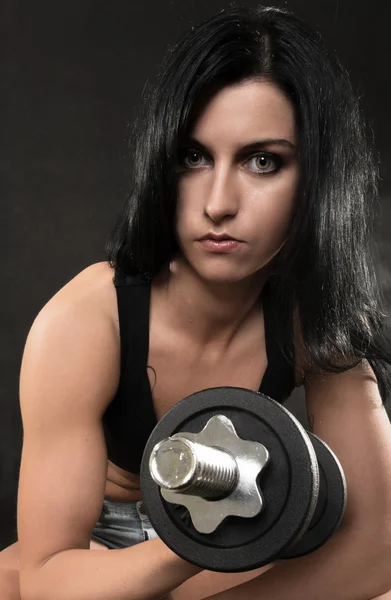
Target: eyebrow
pixel 256 145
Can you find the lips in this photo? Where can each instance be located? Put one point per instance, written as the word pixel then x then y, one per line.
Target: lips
pixel 219 237
pixel 212 243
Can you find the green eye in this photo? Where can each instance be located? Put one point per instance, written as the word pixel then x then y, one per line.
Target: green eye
pixel 270 163
pixel 267 161
pixel 191 154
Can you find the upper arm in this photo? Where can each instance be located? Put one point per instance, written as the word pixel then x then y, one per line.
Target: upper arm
pixel 69 374
pixel 346 411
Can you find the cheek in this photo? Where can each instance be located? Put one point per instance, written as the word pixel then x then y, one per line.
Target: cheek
pixel 181 217
pixel 274 208
pixel 187 209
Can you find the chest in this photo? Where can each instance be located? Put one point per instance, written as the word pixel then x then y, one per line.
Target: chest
pixel 177 370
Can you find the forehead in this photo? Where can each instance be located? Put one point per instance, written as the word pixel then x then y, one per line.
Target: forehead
pixel 246 110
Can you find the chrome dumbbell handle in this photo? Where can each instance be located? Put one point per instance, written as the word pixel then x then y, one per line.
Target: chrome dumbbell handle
pixel 181 465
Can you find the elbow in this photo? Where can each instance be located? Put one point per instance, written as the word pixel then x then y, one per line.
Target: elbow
pixel 9 584
pixel 35 583
pixel 30 587
pixel 27 586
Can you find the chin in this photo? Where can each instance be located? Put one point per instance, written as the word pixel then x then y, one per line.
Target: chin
pixel 224 274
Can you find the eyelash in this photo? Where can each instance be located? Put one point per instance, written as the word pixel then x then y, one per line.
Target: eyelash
pixel 273 157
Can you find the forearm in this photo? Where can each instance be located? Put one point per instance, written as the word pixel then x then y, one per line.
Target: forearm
pixel 146 571
pixel 347 567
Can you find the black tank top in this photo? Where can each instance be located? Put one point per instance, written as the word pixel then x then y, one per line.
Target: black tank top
pixel 130 417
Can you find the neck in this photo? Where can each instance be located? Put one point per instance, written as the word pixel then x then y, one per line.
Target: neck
pixel 208 311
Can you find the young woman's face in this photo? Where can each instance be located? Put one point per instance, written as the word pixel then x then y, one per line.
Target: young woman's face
pixel 226 189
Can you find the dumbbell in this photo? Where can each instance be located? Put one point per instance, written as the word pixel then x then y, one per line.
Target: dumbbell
pixel 231 481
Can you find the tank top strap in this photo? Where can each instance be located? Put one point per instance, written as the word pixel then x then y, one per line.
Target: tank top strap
pixel 133 299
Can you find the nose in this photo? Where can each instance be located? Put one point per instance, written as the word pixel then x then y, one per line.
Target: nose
pixel 222 201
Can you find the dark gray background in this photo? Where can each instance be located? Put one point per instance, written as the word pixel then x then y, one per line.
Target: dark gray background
pixel 71 78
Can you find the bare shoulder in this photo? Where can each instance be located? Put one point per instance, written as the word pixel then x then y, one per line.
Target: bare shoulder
pixel 92 287
pixel 74 339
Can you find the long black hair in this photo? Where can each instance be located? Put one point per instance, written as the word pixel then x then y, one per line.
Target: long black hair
pixel 326 271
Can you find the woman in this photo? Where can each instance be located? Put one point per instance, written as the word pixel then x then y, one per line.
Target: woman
pixel 243 257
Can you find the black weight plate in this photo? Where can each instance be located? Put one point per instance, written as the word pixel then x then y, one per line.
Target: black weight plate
pixel 288 483
pixel 331 502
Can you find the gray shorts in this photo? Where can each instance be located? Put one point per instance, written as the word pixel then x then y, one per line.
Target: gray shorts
pixel 122 524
